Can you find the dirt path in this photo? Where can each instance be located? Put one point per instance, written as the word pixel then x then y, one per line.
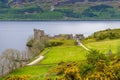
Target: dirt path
pixel 38 59
pixel 80 44
pixel 42 56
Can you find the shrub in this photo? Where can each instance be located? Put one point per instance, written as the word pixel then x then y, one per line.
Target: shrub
pixel 105 34
pixel 97 66
pixel 103 72
pixel 30 43
pixel 72 73
pixel 66 71
pixel 118 50
pixel 86 69
pixel 55 43
pixel 61 41
pixel 18 77
pixel 94 56
pixel 36 46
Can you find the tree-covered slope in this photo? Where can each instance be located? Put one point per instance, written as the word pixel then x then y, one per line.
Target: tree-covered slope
pixel 59 10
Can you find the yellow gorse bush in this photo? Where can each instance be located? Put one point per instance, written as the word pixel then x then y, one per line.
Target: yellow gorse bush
pixel 18 77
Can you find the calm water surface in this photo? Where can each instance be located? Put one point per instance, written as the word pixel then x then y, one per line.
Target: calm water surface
pixel 14 34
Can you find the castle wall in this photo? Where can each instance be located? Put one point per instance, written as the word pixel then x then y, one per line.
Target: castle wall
pixel 38 34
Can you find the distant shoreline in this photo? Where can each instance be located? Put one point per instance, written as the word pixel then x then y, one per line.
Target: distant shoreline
pixel 53 20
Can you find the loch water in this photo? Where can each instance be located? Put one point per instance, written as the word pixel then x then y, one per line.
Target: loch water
pixel 15 34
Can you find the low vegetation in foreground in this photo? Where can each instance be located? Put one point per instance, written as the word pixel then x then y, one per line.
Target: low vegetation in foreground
pixel 29 72
pixel 97 66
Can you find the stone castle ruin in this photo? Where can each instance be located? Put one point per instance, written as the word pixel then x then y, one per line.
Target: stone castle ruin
pixel 79 36
pixel 38 34
pixel 64 36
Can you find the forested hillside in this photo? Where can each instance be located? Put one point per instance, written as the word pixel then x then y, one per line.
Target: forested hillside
pixel 59 10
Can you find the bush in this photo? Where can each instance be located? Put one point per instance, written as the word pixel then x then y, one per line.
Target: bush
pixel 61 41
pixel 94 56
pixel 72 73
pixel 105 34
pixel 97 66
pixel 86 69
pixel 66 71
pixel 18 77
pixel 38 77
pixel 30 43
pixel 118 50
pixel 104 72
pixel 36 46
pixel 55 43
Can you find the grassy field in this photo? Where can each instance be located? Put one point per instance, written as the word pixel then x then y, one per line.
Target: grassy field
pixel 105 45
pixel 34 71
pixel 63 53
pixel 52 58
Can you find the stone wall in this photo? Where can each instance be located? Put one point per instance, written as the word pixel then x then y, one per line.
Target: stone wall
pixel 64 36
pixel 39 35
pixel 79 36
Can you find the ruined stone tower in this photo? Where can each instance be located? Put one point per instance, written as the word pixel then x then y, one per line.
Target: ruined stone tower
pixel 79 36
pixel 38 34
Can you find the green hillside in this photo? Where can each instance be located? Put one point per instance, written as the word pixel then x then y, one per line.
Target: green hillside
pixel 65 54
pixel 108 34
pixel 52 58
pixel 62 54
pixel 105 46
pixel 34 71
pixel 59 10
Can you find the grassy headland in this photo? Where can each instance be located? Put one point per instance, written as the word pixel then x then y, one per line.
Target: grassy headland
pixel 66 60
pixel 62 54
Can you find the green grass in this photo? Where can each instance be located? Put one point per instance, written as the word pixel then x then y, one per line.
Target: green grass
pixel 66 42
pixel 105 45
pixel 54 56
pixel 33 71
pixel 64 53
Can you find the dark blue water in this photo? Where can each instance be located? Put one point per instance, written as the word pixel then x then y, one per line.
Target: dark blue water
pixel 14 34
